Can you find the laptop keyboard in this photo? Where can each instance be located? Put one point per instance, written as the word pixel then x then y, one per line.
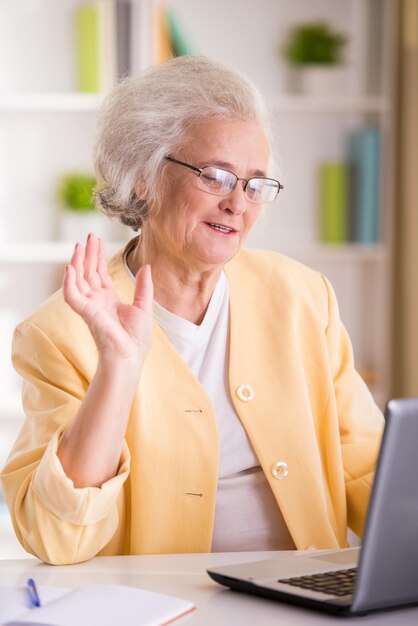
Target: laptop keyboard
pixel 340 583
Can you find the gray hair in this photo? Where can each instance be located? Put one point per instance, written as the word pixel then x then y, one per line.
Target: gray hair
pixel 145 118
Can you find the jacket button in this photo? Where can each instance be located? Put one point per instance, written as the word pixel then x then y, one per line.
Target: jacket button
pixel 245 393
pixel 280 470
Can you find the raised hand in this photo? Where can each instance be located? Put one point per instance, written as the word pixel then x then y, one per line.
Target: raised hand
pixel 119 330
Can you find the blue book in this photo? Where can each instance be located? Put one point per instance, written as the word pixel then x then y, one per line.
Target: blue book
pixel 364 148
pixel 179 43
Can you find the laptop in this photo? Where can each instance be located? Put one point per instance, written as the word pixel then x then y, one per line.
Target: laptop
pixel 383 573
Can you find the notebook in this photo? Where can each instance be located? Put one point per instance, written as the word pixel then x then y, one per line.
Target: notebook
pixel 380 575
pixel 106 605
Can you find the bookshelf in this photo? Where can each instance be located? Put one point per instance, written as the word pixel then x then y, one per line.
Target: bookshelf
pixel 299 105
pixel 58 252
pixel 46 128
pixel 292 104
pixel 50 102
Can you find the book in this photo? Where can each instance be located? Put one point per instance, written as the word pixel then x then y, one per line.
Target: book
pixel 162 43
pixel 352 189
pixel 123 37
pixel 169 38
pixel 107 44
pixel 103 44
pixel 333 202
pixel 179 45
pixel 364 162
pixel 87 47
pixel 106 605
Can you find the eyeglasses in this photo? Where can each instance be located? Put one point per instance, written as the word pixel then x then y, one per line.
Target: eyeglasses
pixel 221 182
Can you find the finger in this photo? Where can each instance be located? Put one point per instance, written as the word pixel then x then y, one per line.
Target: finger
pixel 102 265
pixel 91 261
pixel 144 289
pixel 77 262
pixel 72 295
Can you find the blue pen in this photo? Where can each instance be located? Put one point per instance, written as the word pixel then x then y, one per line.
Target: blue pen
pixel 34 599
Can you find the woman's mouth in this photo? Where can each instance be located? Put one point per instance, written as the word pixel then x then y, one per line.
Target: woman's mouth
pixel 221 228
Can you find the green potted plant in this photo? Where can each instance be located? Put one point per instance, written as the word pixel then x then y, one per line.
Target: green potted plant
pixel 78 215
pixel 315 53
pixel 76 192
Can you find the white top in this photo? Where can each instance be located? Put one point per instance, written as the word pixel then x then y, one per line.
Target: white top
pixel 246 515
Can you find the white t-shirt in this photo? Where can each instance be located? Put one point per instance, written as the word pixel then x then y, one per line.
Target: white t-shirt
pixel 247 516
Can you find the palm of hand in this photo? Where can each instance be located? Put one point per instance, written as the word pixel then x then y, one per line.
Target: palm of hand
pixel 118 329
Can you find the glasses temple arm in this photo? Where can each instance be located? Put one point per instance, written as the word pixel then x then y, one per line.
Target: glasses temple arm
pixel 191 167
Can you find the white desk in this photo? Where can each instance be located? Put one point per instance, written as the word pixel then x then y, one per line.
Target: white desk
pixel 185 576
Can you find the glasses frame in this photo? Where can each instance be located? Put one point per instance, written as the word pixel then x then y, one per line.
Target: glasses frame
pixel 199 171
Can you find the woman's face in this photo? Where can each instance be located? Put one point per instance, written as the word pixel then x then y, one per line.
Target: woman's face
pixel 184 228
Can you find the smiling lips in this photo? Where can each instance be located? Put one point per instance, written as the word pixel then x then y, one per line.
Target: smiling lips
pixel 225 230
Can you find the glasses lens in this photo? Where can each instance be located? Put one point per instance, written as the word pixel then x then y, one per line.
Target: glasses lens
pixel 217 181
pixel 262 189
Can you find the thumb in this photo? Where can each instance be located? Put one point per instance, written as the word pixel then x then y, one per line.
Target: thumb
pixel 144 289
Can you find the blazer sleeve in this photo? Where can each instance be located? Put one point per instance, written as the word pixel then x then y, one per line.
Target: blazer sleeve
pixel 360 420
pixel 53 520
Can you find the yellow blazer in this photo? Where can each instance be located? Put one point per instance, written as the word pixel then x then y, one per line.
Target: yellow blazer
pixel 310 412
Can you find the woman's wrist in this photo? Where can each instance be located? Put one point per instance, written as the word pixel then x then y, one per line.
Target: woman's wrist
pixel 115 367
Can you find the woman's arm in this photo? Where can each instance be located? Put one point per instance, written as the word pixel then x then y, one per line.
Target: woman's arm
pixel 56 356
pixel 53 520
pixel 90 449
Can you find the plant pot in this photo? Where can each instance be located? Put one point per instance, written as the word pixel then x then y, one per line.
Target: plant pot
pixel 76 225
pixel 321 80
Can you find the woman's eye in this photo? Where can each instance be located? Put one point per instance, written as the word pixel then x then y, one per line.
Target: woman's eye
pixel 212 177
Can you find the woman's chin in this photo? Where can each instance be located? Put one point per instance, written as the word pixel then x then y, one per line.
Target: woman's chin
pixel 217 258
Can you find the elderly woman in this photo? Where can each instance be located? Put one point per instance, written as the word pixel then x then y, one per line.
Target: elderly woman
pixel 211 403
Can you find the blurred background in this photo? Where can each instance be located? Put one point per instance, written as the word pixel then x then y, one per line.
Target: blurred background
pixel 340 78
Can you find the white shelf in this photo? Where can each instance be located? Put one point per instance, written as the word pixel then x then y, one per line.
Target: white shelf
pixel 12 414
pixel 91 102
pixel 50 102
pixel 60 252
pixel 10 548
pixel 337 253
pixel 44 252
pixel 11 410
pixel 296 104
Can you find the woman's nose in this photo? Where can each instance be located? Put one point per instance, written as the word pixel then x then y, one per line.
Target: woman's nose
pixel 235 201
